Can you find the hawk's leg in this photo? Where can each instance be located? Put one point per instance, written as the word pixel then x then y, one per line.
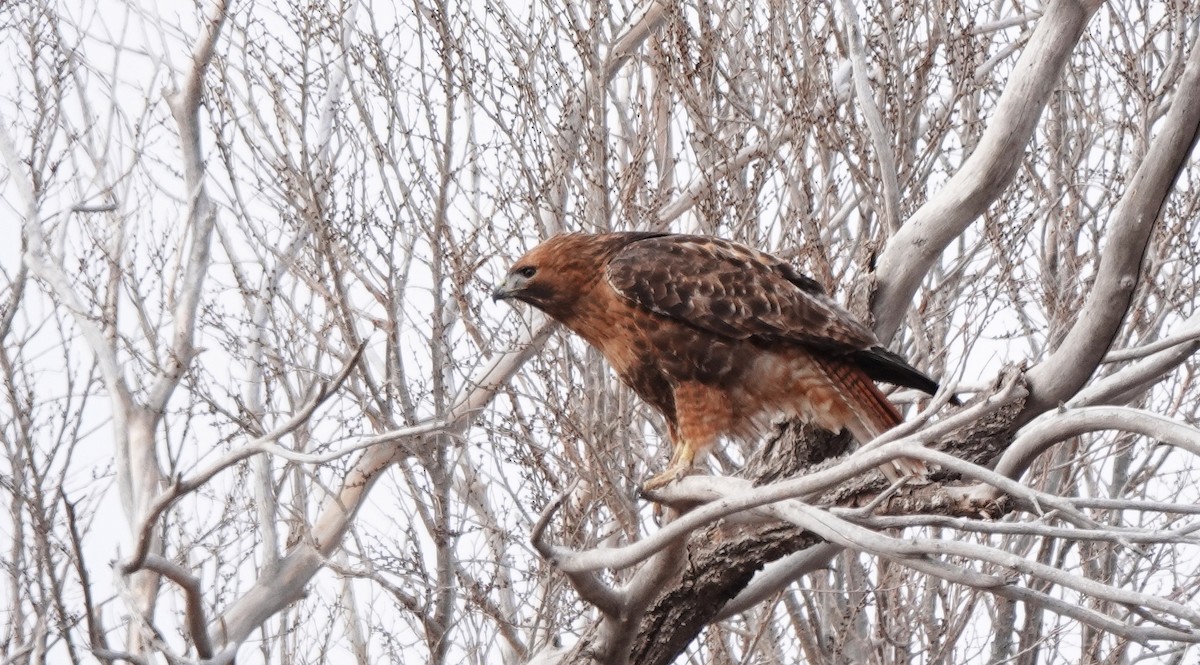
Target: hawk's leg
pixel 702 415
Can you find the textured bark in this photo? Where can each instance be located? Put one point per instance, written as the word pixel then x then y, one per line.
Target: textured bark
pixel 719 566
pixel 722 561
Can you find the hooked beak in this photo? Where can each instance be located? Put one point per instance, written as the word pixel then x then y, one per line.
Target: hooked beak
pixel 513 284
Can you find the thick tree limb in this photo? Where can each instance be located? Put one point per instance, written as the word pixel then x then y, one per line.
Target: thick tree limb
pixel 720 566
pixel 909 254
pixel 723 559
pixel 1070 366
pixel 1055 427
pixel 201 214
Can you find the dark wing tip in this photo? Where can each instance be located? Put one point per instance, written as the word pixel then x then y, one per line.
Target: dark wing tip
pixel 883 365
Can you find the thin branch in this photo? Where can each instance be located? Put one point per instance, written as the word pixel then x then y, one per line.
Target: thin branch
pixel 275 591
pixel 703 183
pixel 1106 534
pixel 881 140
pixel 1190 336
pixel 37 258
pixel 1126 384
pixel 906 550
pixel 1072 610
pixel 479 389
pixel 96 634
pixel 916 553
pixel 777 574
pixel 1005 23
pixel 266 444
pixel 286 583
pixel 589 586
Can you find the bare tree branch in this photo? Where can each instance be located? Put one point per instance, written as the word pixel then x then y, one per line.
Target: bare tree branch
pixel 1133 219
pixel 194 601
pixel 908 255
pixel 1057 426
pixel 201 215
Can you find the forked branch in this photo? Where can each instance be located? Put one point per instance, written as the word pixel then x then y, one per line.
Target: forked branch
pixel 1133 219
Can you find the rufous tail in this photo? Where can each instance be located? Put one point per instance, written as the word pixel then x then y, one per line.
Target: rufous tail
pixel 870 414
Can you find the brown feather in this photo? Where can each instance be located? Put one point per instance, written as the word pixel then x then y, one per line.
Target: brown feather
pixel 718 337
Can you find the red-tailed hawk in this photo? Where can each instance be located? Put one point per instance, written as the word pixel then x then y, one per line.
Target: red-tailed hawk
pixel 718 337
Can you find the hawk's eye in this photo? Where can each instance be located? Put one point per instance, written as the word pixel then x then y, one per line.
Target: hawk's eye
pixel 527 272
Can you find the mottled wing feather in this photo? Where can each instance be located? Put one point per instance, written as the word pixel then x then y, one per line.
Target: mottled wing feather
pixel 733 291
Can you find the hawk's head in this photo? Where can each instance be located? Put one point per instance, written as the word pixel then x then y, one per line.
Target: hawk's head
pixel 554 275
pixel 522 283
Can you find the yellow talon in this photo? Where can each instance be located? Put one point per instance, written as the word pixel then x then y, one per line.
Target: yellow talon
pixel 682 461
